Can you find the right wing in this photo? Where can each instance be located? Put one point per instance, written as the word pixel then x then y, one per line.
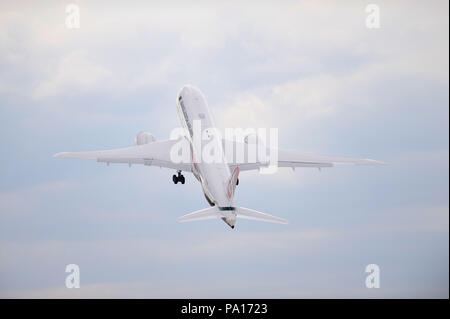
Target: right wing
pixel 155 153
pixel 288 158
pixel 293 158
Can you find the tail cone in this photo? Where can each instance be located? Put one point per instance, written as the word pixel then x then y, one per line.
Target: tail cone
pixel 229 221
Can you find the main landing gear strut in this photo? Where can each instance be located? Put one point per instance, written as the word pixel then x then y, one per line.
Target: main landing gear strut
pixel 178 178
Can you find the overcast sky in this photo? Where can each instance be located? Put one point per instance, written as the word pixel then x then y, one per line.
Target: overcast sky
pixel 312 69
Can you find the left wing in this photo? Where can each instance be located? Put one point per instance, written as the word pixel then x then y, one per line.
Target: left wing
pixel 155 153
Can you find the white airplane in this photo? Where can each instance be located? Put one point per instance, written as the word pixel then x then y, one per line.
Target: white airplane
pixel 218 179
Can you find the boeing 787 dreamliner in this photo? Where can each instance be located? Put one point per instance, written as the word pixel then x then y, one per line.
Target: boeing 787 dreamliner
pixel 218 179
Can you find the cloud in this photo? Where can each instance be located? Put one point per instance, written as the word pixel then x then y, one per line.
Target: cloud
pixel 75 73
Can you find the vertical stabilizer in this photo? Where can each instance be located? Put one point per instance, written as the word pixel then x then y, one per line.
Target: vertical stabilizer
pixel 231 185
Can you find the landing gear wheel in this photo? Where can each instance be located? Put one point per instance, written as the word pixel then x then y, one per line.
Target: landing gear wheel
pixel 180 177
pixel 237 182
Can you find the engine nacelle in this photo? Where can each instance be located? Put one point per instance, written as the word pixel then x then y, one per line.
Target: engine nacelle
pixel 144 137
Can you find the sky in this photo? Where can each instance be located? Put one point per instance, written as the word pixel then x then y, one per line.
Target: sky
pixel 312 69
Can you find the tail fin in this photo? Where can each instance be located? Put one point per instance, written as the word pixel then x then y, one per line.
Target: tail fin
pixel 229 216
pixel 231 185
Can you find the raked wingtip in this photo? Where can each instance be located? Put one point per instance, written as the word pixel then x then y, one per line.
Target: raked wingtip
pixel 369 162
pixel 59 155
pixel 283 221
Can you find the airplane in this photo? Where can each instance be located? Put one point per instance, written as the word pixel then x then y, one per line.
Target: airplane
pixel 217 179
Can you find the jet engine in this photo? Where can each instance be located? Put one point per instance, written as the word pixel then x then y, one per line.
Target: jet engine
pixel 144 137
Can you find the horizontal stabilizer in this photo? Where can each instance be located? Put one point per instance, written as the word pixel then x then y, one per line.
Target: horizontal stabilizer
pixel 229 216
pixel 207 213
pixel 246 213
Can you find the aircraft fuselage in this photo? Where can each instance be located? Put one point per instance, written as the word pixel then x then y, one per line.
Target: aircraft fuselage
pixel 214 177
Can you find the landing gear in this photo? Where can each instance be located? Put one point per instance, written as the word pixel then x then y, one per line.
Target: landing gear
pixel 237 182
pixel 178 178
